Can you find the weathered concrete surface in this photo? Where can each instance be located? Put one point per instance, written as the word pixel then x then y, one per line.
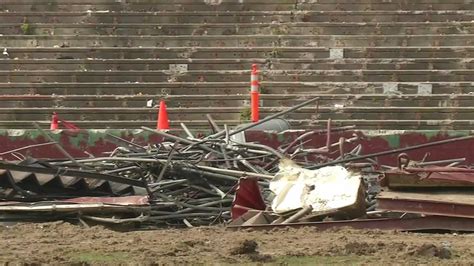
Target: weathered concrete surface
pixel 380 65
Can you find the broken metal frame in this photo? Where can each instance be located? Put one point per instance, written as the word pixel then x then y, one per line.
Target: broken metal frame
pixel 72 172
pixel 404 224
pixel 426 207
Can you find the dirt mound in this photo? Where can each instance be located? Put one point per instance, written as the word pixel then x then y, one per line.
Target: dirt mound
pixel 245 247
pixel 430 250
pixel 54 243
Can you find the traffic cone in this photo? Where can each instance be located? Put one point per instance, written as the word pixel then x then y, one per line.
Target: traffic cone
pixel 254 106
pixel 254 84
pixel 54 122
pixel 163 122
pixel 254 94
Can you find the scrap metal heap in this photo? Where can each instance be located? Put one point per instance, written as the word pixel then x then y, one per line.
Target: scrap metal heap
pixel 222 178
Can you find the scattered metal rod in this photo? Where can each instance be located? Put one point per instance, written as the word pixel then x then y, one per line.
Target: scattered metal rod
pixel 184 204
pixel 439 169
pixel 104 159
pixel 186 215
pixel 187 131
pixel 60 148
pixel 234 172
pixel 304 136
pixel 235 159
pixel 247 164
pixel 260 146
pixel 328 135
pixel 212 203
pixel 168 161
pixel 212 169
pixel 213 123
pixel 27 147
pixel 441 162
pixel 128 168
pixel 266 119
pixel 300 214
pixel 209 174
pixel 123 142
pixel 142 218
pixel 179 139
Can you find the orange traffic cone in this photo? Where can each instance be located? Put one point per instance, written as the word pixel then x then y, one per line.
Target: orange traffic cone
pixel 54 122
pixel 254 94
pixel 163 122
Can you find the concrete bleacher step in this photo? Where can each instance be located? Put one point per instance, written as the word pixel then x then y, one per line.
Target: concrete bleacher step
pixel 393 64
pixel 454 75
pixel 223 100
pixel 109 116
pixel 262 52
pixel 231 17
pixel 301 28
pixel 231 5
pixel 183 65
pixel 212 88
pixel 58 41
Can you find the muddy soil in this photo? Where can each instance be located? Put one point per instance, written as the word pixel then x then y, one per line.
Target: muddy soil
pixel 65 243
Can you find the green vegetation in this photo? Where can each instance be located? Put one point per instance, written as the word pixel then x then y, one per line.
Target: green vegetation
pixel 274 54
pixel 280 30
pixel 26 28
pixel 96 257
pixel 321 260
pixel 245 114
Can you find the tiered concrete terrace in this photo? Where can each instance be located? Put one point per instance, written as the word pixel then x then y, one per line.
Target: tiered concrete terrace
pixel 394 64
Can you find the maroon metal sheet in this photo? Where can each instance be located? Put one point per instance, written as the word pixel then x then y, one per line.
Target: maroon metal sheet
pixel 76 142
pixel 408 224
pixel 247 197
pixel 444 203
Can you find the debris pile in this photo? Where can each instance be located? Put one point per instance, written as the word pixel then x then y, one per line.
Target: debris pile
pixel 222 178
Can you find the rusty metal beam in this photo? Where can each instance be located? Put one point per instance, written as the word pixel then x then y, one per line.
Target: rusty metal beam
pixel 443 208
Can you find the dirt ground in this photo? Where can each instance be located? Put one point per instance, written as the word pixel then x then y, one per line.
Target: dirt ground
pixel 65 243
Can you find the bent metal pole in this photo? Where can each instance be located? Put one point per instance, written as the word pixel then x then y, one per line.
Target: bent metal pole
pixel 266 119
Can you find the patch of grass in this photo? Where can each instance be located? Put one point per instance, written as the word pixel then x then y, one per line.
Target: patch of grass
pixel 321 260
pixel 26 28
pixel 274 54
pixel 96 257
pixel 281 30
pixel 245 114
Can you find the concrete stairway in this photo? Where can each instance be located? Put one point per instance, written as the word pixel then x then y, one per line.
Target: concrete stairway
pixel 394 64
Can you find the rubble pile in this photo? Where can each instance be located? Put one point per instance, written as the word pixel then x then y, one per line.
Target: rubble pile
pixel 224 179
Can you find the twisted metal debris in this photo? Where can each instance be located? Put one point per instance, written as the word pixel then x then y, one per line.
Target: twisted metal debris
pixel 180 181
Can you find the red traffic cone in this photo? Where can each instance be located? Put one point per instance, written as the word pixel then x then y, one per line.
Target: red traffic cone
pixel 163 122
pixel 54 122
